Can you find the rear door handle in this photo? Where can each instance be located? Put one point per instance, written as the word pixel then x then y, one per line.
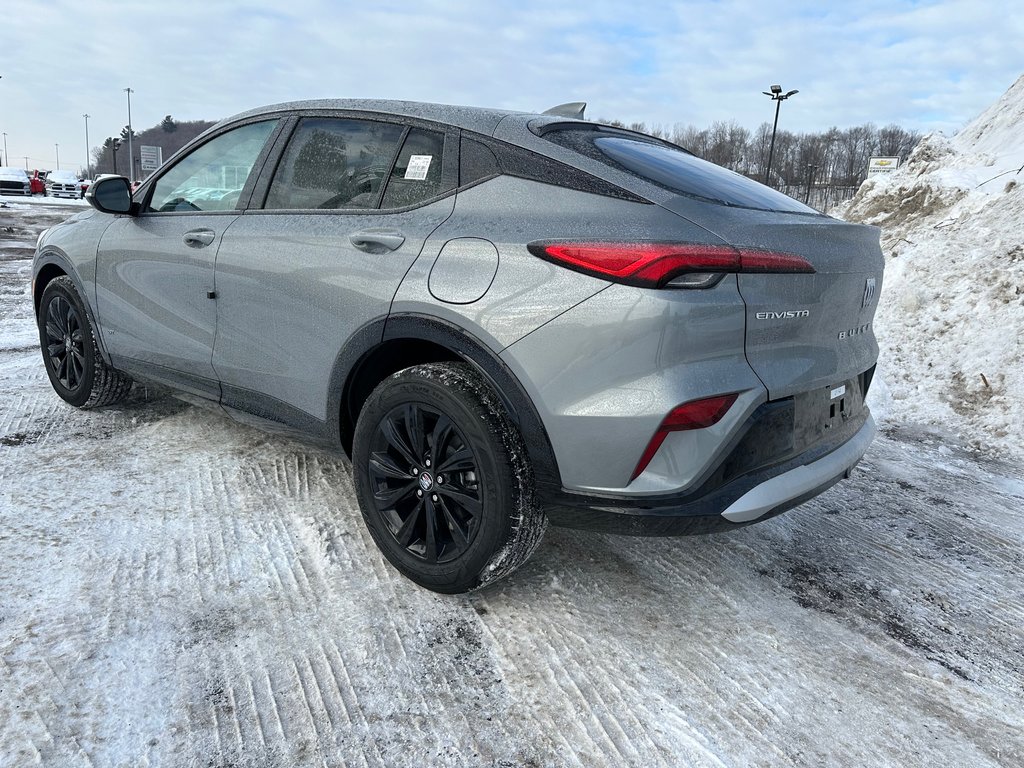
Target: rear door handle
pixel 377 240
pixel 199 238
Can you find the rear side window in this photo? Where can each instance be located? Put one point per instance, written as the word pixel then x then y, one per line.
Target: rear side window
pixel 675 169
pixel 416 175
pixel 482 158
pixel 334 163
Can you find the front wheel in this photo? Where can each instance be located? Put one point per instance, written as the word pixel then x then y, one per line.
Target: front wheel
pixel 443 480
pixel 73 362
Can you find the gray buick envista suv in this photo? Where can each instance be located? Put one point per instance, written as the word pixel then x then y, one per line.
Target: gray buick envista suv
pixel 503 318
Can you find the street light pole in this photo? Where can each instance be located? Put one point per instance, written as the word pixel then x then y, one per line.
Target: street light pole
pixel 88 164
pixel 56 148
pixel 131 157
pixel 778 97
pixel 7 157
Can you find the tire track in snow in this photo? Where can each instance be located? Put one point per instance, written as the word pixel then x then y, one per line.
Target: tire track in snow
pixel 56 742
pixel 604 693
pixel 153 557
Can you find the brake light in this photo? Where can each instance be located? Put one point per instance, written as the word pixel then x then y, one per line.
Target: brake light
pixel 654 265
pixel 696 414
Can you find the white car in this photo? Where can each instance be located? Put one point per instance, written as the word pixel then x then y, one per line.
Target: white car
pixel 14 181
pixel 63 184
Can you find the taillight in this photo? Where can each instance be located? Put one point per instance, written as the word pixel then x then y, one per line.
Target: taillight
pixel 695 414
pixel 656 265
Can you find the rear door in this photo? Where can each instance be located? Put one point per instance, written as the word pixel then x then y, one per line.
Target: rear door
pixel 347 210
pixel 155 270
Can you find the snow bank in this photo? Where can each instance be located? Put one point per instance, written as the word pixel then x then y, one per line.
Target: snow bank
pixel 952 307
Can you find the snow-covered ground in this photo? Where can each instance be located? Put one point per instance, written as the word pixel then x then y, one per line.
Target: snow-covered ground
pixel 951 311
pixel 20 202
pixel 180 590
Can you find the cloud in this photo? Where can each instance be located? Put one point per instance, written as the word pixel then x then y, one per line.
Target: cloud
pixel 921 64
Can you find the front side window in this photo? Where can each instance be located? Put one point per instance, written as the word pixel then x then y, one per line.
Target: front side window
pixel 334 163
pixel 211 177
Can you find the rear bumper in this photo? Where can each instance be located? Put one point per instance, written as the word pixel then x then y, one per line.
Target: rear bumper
pixel 746 499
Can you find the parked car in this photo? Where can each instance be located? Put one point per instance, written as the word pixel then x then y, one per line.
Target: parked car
pixel 38 182
pixel 63 184
pixel 14 181
pixel 503 318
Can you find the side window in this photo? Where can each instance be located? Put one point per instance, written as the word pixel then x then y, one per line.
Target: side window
pixel 417 173
pixel 332 163
pixel 211 177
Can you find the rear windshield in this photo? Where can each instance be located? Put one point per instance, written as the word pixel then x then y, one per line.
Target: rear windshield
pixel 674 168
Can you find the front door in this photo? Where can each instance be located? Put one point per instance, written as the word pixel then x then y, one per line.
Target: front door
pixel 155 271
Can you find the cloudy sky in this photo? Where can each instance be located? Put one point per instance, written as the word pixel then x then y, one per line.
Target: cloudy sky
pixel 925 65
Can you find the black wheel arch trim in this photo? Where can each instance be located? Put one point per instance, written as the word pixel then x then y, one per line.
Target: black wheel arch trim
pixel 463 346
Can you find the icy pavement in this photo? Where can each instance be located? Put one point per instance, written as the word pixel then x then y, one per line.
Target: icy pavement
pixel 180 590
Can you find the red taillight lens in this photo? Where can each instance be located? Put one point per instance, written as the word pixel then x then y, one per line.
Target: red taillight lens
pixel 696 414
pixel 769 261
pixel 653 265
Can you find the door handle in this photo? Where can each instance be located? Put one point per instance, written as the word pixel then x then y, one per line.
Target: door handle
pixel 377 240
pixel 199 238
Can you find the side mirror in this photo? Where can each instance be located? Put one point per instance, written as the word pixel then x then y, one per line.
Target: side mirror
pixel 110 195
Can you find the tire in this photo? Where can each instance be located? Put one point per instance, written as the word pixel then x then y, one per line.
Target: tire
pixel 77 371
pixel 451 518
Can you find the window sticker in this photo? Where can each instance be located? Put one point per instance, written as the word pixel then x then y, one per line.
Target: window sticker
pixel 418 167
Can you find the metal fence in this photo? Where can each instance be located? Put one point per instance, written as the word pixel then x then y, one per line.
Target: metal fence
pixel 821 197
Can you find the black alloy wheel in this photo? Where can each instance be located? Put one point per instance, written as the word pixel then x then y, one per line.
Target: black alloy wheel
pixel 426 483
pixel 65 346
pixel 444 480
pixel 77 370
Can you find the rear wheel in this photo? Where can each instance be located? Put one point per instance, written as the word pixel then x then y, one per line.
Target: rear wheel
pixel 73 362
pixel 442 479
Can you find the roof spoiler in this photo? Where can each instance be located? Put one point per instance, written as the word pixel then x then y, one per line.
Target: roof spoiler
pixel 573 109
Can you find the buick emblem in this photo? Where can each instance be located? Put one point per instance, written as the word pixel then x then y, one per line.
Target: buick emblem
pixel 869 292
pixel 426 481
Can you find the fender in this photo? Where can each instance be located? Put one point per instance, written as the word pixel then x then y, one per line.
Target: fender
pixel 56 258
pixel 463 346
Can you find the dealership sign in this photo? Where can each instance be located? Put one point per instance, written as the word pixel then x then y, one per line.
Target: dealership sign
pixel 882 165
pixel 151 158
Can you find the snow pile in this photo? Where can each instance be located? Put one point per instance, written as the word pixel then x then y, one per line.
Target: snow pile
pixel 952 308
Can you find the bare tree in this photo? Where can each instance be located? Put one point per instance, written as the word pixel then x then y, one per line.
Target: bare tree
pixel 896 141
